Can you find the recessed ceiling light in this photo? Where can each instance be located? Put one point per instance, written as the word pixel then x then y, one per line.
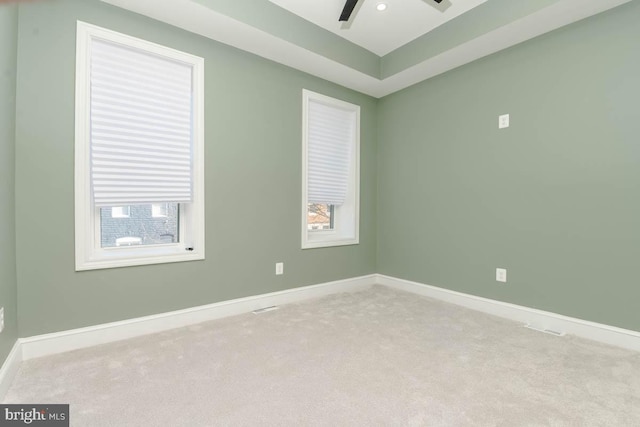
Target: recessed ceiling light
pixel 381 6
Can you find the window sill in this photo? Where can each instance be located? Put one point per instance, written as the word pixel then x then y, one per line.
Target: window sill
pixel 126 257
pixel 327 243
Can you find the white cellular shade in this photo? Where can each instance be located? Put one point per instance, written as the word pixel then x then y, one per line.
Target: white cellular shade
pixel 141 127
pixel 331 132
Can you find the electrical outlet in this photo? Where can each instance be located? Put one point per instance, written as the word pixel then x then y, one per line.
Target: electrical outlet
pixel 279 268
pixel 503 121
pixel 501 275
pixel 1 319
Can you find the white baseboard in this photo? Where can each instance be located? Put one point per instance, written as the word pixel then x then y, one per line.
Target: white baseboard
pixel 539 319
pixel 58 342
pixel 10 368
pixel 43 345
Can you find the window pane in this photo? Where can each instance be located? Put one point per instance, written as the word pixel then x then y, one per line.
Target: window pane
pixel 140 227
pixel 320 217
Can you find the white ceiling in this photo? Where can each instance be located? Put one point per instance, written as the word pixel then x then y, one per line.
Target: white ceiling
pixel 379 32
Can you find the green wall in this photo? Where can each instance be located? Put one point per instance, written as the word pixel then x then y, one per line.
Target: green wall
pixel 8 283
pixel 253 180
pixel 555 198
pixel 445 196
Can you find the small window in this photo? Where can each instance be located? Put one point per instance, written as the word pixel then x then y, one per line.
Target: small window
pixel 330 187
pixel 139 152
pixel 160 210
pixel 120 212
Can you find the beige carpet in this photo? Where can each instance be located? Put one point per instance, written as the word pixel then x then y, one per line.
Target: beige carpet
pixel 377 357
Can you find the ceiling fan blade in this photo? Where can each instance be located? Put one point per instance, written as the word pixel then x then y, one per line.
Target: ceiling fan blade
pixel 348 9
pixel 441 5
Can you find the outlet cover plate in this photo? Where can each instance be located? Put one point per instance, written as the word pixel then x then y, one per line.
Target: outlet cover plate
pixel 503 121
pixel 501 275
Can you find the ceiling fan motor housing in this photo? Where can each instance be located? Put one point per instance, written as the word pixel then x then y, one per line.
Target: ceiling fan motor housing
pixel 351 4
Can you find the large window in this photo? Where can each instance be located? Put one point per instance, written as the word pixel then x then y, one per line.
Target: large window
pixel 330 164
pixel 139 152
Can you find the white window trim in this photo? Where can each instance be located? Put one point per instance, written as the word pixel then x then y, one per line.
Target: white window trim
pixel 89 253
pixel 347 217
